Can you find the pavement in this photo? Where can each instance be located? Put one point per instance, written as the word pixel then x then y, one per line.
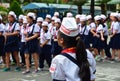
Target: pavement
pixel 105 72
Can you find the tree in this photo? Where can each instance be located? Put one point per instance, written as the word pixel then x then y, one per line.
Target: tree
pixel 92 8
pixel 15 6
pixel 79 3
pixel 103 5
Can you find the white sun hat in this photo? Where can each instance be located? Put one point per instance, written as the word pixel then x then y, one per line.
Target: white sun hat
pixel 69 27
pixel 31 14
pixel 13 14
pixel 39 19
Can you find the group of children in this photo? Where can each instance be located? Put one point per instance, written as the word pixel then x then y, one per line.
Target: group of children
pixel 36 38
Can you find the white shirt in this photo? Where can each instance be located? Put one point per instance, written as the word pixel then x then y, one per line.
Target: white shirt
pixel 54 33
pixel 10 28
pixel 115 26
pixel 99 28
pixel 92 25
pixel 2 27
pixel 45 36
pixel 22 31
pixel 63 69
pixel 105 30
pixel 83 30
pixel 36 28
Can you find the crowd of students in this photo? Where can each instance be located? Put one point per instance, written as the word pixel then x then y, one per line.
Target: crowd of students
pixel 36 38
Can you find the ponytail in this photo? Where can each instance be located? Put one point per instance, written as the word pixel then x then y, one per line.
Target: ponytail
pixel 81 56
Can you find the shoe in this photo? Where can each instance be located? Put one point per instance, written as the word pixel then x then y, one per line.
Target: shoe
pixel 13 63
pixel 17 69
pixel 36 71
pixel 26 72
pixel 6 69
pixel 40 69
pixel 112 61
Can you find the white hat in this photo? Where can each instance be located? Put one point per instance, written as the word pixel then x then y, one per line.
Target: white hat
pixel 69 14
pixel 119 15
pixel 57 20
pixel 97 17
pixel 89 17
pixel 21 16
pixel 48 16
pixel 45 23
pixel 103 16
pixel 25 21
pixel 56 14
pixel 12 13
pixel 39 19
pixel 114 14
pixel 31 14
pixel 0 17
pixel 53 18
pixel 83 18
pixel 77 16
pixel 69 27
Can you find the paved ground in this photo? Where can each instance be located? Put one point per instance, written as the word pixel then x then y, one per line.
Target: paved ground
pixel 105 72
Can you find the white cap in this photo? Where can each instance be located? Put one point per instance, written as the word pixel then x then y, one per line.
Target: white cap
pixel 0 17
pixel 97 17
pixel 31 14
pixel 89 17
pixel 25 21
pixel 53 18
pixel 69 14
pixel 114 14
pixel 83 18
pixel 69 27
pixel 21 16
pixel 57 20
pixel 119 15
pixel 48 16
pixel 39 19
pixel 56 14
pixel 13 14
pixel 77 16
pixel 45 23
pixel 103 16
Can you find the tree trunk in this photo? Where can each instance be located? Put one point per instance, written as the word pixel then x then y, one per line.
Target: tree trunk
pixel 92 9
pixel 103 8
pixel 79 9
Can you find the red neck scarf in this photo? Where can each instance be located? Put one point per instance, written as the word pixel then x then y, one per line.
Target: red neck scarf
pixel 69 50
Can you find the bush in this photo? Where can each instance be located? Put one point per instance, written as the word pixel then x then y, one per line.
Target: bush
pixel 15 6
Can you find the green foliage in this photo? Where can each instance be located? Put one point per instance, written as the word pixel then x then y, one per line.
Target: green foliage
pixel 15 6
pixel 3 9
pixel 102 1
pixel 79 2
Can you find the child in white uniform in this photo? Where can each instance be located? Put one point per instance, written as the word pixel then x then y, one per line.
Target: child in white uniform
pixel 72 64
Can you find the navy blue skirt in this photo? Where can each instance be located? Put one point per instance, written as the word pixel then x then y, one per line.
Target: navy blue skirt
pixel 32 46
pixel 2 41
pixel 12 44
pixel 115 42
pixel 98 43
pixel 85 39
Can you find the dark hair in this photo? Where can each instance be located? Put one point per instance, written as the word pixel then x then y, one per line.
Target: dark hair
pixel 34 21
pixel 81 54
pixel 101 22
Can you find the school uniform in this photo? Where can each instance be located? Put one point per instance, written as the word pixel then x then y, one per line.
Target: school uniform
pixel 92 26
pixel 63 69
pixel 115 40
pixel 23 43
pixel 12 42
pixel 32 45
pixel 84 35
pixel 46 49
pixel 56 48
pixel 2 40
pixel 98 43
pixel 107 49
